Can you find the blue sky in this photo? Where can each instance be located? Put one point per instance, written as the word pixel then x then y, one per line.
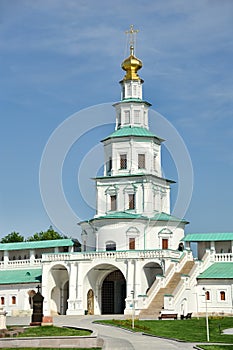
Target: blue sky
pixel 60 57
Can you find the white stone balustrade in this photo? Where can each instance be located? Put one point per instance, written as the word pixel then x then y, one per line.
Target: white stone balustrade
pixel 132 254
pixel 19 264
pixel 223 257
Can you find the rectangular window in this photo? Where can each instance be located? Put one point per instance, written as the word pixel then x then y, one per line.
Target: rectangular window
pixel 127 118
pixel 84 246
pixel 2 301
pixel 137 117
pixel 131 201
pixel 113 202
pixel 141 161
pixel 132 243
pixel 123 161
pixel 109 166
pixel 164 243
pixel 119 120
pixel 145 117
pixel 155 161
pixel 222 296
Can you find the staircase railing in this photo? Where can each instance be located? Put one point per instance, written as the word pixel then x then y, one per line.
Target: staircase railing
pixel 159 283
pixel 188 281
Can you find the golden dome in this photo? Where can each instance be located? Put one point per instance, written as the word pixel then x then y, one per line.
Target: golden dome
pixel 131 65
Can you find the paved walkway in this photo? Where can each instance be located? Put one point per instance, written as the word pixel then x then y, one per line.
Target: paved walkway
pixel 114 338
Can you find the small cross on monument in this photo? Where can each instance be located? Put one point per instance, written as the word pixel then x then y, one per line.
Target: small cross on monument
pixel 38 288
pixel 132 37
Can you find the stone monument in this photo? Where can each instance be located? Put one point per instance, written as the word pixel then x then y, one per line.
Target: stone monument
pixel 37 314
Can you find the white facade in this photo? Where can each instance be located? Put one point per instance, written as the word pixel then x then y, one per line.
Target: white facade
pixel 132 248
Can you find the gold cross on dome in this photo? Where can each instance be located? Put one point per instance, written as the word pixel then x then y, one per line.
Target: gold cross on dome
pixel 132 36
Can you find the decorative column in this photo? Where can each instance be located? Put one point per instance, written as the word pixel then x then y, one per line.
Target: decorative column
pixel 6 257
pixel 212 245
pixel 79 296
pixel 46 289
pixel 130 286
pixel 72 288
pixel 2 319
pixel 137 284
pixel 147 199
pixel 32 256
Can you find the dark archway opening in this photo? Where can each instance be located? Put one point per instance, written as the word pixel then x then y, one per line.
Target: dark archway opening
pixel 114 293
pixel 151 271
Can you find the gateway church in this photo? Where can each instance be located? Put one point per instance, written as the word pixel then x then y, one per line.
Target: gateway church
pixel 135 256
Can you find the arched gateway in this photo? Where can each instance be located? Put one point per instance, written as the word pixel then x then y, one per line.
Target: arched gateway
pixel 113 293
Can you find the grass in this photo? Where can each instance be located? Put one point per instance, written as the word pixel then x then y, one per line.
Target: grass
pixel 48 331
pixel 216 347
pixel 193 330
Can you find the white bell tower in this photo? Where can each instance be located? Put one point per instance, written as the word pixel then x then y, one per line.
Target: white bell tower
pixel 132 196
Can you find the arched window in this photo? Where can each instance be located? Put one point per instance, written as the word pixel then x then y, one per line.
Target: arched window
pixel 13 300
pixel 222 295
pixel 2 301
pixel 19 258
pixel 110 246
pixel 207 295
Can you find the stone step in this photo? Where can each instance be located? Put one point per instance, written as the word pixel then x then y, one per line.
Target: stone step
pixel 157 303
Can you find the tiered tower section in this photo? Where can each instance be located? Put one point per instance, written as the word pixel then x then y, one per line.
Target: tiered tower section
pixel 132 175
pixel 133 198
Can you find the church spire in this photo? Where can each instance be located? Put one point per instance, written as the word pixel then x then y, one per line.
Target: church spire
pixel 131 64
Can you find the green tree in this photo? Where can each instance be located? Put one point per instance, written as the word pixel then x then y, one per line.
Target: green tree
pixel 12 238
pixel 50 234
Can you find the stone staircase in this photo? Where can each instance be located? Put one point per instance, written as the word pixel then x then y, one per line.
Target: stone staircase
pixel 156 305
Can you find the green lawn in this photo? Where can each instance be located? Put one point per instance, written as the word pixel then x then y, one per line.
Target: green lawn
pixel 48 331
pixel 193 330
pixel 216 347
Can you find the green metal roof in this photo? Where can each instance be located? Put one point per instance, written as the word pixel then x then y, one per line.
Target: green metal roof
pixel 125 100
pixel 167 217
pixel 218 270
pixel 122 215
pixel 201 237
pixel 20 276
pixel 132 131
pixel 133 175
pixel 129 215
pixel 37 244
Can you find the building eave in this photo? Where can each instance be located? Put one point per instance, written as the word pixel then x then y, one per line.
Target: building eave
pixel 133 175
